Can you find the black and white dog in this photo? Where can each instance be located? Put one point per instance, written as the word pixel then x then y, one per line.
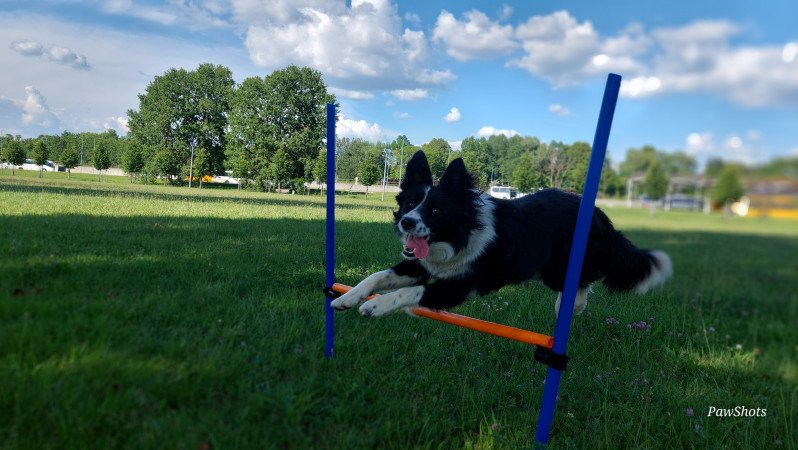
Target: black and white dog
pixel 460 242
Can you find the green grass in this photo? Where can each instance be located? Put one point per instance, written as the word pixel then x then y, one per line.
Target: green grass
pixel 158 317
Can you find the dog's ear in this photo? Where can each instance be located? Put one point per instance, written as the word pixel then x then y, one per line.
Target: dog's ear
pixel 456 177
pixel 418 172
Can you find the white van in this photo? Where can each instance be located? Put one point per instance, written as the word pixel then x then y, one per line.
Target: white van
pixel 503 192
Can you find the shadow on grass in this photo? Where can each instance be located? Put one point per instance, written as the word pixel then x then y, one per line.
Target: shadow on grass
pixel 147 330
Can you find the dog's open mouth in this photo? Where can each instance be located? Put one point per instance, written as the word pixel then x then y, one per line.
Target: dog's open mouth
pixel 416 247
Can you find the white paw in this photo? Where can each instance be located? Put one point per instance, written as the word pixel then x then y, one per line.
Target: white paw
pixel 377 307
pixel 348 300
pixel 392 302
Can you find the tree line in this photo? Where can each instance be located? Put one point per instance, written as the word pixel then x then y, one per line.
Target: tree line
pixel 270 131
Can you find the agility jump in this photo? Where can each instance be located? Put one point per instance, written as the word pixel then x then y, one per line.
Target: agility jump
pixel 550 350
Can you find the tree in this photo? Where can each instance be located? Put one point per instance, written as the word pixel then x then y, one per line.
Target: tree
pixel 181 110
pixel 526 176
pixel 713 167
pixel 286 110
pixel 655 184
pixel 280 168
pixel 133 158
pixel 101 159
pixel 638 160
pixel 14 154
pixel 370 170
pixel 729 187
pixel 39 154
pixel 477 158
pixel 578 160
pixel 70 158
pixel 438 153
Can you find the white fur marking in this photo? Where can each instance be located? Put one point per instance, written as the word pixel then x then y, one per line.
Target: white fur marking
pixel 392 301
pixel 580 303
pixel 658 275
pixel 419 229
pixel 386 279
pixel 443 262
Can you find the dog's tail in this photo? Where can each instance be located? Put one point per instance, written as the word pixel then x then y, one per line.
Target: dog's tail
pixel 632 269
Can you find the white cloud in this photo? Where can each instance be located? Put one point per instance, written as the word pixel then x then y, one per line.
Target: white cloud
pixel 361 47
pixel 475 37
pixel 352 94
pixel 701 57
pixel 453 115
pixel 118 124
pixel 559 110
pixel 60 55
pixel 371 132
pixel 700 143
pixel 195 15
pixel 492 131
pixel 505 12
pixel 35 111
pixel 456 145
pixel 640 86
pixel 557 48
pixel 410 94
pixel 27 47
pixel 84 100
pixel 68 57
pixel 402 115
pixel 746 149
pixel 790 52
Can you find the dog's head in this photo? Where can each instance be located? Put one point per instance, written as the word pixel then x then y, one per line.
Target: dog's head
pixel 435 221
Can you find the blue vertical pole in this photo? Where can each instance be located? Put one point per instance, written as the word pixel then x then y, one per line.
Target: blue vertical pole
pixel 330 278
pixel 577 254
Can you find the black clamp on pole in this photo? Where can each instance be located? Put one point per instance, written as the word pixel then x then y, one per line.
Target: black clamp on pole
pixel 329 292
pixel 548 357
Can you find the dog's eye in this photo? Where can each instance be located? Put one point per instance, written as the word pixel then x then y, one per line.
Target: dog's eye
pixel 436 211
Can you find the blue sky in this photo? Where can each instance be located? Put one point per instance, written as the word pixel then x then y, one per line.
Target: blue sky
pixel 712 78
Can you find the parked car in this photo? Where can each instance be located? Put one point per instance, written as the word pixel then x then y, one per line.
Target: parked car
pixel 30 164
pixel 503 192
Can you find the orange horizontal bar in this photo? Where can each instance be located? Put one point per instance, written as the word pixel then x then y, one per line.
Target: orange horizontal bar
pixel 515 334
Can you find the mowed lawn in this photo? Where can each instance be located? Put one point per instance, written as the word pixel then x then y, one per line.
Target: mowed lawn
pixel 160 317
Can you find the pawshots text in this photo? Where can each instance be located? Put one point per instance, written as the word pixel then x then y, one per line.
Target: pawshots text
pixel 737 411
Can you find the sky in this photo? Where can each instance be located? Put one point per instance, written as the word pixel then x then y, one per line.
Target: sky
pixel 711 78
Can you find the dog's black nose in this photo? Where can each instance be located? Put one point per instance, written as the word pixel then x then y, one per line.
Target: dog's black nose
pixel 407 223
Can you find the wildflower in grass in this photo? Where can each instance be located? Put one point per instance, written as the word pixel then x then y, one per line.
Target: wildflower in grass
pixel 738 347
pixel 569 415
pixel 494 426
pixel 697 428
pixel 778 443
pixel 640 325
pixel 689 412
pixel 612 321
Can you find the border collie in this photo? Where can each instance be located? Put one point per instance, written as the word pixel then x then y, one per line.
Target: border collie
pixel 460 242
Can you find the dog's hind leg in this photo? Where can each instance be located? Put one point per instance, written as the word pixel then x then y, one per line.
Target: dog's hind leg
pixel 579 304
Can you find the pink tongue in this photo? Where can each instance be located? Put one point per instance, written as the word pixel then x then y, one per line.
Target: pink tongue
pixel 419 245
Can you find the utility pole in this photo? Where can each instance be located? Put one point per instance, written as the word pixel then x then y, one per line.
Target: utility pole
pixel 191 166
pixel 387 158
pixel 401 161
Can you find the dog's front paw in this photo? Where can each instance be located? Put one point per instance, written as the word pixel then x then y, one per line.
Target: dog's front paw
pixel 346 301
pixel 392 302
pixel 376 308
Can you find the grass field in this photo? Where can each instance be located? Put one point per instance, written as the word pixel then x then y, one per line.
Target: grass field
pixel 159 317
